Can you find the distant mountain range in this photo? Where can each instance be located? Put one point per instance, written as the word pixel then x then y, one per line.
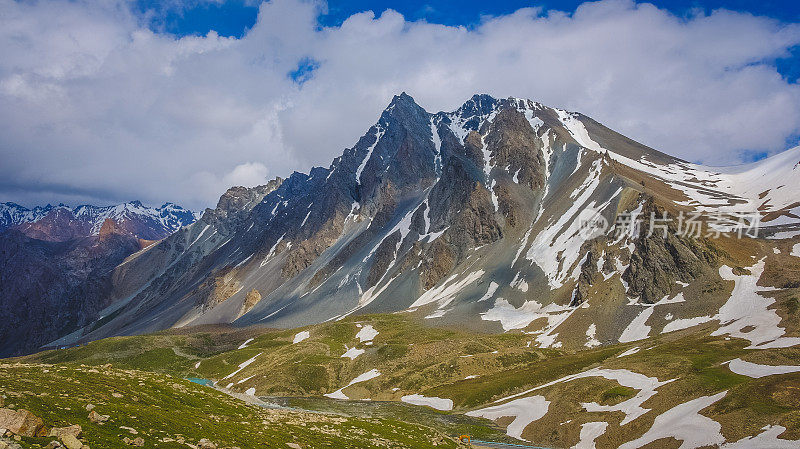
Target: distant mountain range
pixel 56 263
pixel 61 223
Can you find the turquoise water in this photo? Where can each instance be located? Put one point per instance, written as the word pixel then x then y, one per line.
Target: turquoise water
pixel 200 381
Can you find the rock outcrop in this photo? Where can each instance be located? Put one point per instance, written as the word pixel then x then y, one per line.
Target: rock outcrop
pixel 20 422
pixel 662 259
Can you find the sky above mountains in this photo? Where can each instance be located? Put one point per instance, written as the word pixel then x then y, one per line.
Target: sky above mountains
pixel 107 101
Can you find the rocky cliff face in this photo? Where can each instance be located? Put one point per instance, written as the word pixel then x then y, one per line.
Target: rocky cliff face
pixel 472 217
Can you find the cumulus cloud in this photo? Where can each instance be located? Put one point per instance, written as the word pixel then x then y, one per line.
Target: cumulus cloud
pixel 96 107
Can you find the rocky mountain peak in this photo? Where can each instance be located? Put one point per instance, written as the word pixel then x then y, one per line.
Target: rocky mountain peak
pixel 403 100
pixel 236 203
pixel 475 110
pixel 468 216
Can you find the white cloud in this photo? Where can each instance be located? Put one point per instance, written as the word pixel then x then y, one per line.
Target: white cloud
pixel 94 106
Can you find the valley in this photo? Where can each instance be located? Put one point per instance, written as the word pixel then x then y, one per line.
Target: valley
pixel 457 377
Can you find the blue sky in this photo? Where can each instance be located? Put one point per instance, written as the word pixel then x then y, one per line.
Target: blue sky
pixel 234 17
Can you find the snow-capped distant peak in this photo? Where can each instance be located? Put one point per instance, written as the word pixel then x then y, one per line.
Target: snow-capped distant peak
pixel 147 222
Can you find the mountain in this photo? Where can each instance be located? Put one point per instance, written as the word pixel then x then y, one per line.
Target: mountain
pixel 510 271
pixel 12 214
pixel 60 223
pixel 56 264
pixel 475 218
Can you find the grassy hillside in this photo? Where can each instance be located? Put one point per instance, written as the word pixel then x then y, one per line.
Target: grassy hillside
pixel 170 412
pixel 472 370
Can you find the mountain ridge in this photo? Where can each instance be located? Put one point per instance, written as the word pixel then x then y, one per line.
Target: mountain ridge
pixel 61 223
pixel 396 222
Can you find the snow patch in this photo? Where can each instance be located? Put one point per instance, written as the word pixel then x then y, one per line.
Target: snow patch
pixel 245 379
pixel 632 408
pixel 369 375
pixel 495 201
pixel 437 145
pixel 684 423
pixel 447 291
pixel 784 235
pixel 490 291
pixel 524 411
pixel 305 219
pixel 577 130
pixel 352 353
pixel 519 283
pixel 756 370
pixel 518 318
pixel 746 308
pixel 766 439
pixel 637 329
pixel 244 345
pixel 685 323
pixel 591 337
pixel 271 252
pixel 556 248
pixel 433 402
pixel 367 333
pixel 378 134
pixel 631 351
pixel 300 336
pixel 590 432
pixel 242 366
pixel 200 235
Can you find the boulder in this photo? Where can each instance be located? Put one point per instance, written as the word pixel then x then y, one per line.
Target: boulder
pixel 97 418
pixel 58 432
pixel 20 422
pixel 138 441
pixel 70 442
pixel 206 444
